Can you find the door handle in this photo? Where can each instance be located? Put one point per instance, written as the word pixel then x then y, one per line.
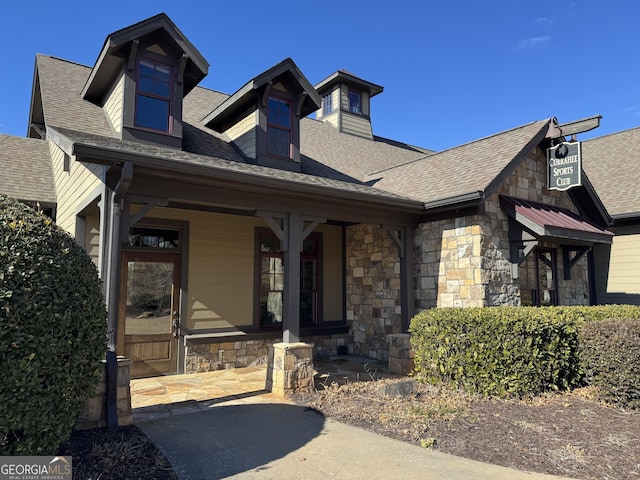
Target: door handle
pixel 176 324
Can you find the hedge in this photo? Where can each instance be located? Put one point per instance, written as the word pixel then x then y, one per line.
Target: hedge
pixel 52 331
pixel 505 351
pixel 610 358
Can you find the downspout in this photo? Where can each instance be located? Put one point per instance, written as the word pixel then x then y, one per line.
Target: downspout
pixel 113 269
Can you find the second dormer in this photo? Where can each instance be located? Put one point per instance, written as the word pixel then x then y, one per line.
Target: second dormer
pixel 346 103
pixel 262 119
pixel 141 78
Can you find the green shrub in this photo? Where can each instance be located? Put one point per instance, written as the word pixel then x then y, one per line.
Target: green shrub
pixel 610 357
pixel 52 331
pixel 506 351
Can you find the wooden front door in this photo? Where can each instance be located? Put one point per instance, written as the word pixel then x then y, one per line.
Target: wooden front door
pixel 149 312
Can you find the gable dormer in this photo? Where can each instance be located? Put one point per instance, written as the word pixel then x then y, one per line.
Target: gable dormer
pixel 141 77
pixel 263 118
pixel 346 102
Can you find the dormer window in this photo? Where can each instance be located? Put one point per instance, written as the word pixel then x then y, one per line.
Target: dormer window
pixel 279 127
pixel 355 102
pixel 153 95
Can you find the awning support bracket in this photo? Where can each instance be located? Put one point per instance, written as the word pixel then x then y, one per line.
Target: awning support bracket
pixel 568 261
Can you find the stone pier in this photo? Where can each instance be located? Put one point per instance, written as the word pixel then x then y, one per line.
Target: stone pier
pixel 400 354
pixel 290 368
pixel 95 413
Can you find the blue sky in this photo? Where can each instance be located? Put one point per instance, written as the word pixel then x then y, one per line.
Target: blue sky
pixel 452 71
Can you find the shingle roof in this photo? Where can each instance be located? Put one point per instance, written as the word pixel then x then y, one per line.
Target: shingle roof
pixel 325 152
pixel 612 163
pixel 462 170
pixel 61 83
pixel 174 159
pixel 25 169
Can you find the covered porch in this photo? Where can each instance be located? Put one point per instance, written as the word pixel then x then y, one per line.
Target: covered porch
pixel 249 257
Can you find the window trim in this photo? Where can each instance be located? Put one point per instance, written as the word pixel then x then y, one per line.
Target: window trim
pixel 277 126
pixel 360 95
pixel 317 321
pixel 169 98
pixel 327 104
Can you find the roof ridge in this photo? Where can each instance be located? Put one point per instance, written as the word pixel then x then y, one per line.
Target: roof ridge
pixel 611 134
pixel 53 57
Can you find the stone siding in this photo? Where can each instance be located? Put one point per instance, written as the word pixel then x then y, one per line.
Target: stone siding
pixel 464 262
pixel 95 412
pixel 221 355
pixel 373 290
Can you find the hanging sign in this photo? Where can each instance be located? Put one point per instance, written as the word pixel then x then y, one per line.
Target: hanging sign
pixel 564 164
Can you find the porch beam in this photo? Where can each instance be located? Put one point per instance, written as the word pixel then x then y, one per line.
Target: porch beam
pixel 280 230
pixel 149 204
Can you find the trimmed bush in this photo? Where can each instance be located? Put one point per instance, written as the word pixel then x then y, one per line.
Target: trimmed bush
pixel 52 331
pixel 506 351
pixel 610 358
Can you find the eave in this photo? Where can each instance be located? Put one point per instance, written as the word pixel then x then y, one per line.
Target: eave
pixel 247 97
pixel 113 55
pixel 348 202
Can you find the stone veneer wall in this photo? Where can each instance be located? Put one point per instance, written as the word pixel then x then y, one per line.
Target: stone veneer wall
pixel 373 290
pixel 221 355
pixel 464 262
pixel 95 413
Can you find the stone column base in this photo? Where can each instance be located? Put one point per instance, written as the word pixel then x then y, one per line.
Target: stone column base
pixel 95 414
pixel 290 368
pixel 400 354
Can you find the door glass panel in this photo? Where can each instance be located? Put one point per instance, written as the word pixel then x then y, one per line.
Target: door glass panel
pixel 149 289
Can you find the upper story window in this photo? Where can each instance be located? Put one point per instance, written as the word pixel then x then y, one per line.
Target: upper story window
pixel 279 127
pixel 355 102
pixel 153 95
pixel 327 106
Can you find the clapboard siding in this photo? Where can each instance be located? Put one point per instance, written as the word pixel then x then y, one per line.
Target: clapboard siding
pixel 618 267
pixel 72 187
pixel 221 268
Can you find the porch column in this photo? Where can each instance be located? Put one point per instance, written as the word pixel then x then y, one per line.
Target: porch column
pixel 403 237
pixel 117 223
pixel 291 294
pixel 407 290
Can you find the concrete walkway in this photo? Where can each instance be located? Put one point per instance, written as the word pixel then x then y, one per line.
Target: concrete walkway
pixel 242 432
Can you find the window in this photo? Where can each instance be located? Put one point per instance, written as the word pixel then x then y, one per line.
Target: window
pixel 271 277
pixel 279 127
pixel 153 95
pixel 150 237
pixel 355 102
pixel 327 106
pixel 538 278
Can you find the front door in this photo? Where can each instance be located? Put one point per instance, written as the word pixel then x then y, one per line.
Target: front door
pixel 149 312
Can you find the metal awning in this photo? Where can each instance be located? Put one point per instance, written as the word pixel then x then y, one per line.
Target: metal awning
pixel 553 222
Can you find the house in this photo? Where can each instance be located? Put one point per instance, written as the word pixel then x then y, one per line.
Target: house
pixel 223 224
pixel 613 164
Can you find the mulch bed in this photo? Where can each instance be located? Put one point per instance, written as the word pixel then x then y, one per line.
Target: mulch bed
pixel 569 434
pixel 124 453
